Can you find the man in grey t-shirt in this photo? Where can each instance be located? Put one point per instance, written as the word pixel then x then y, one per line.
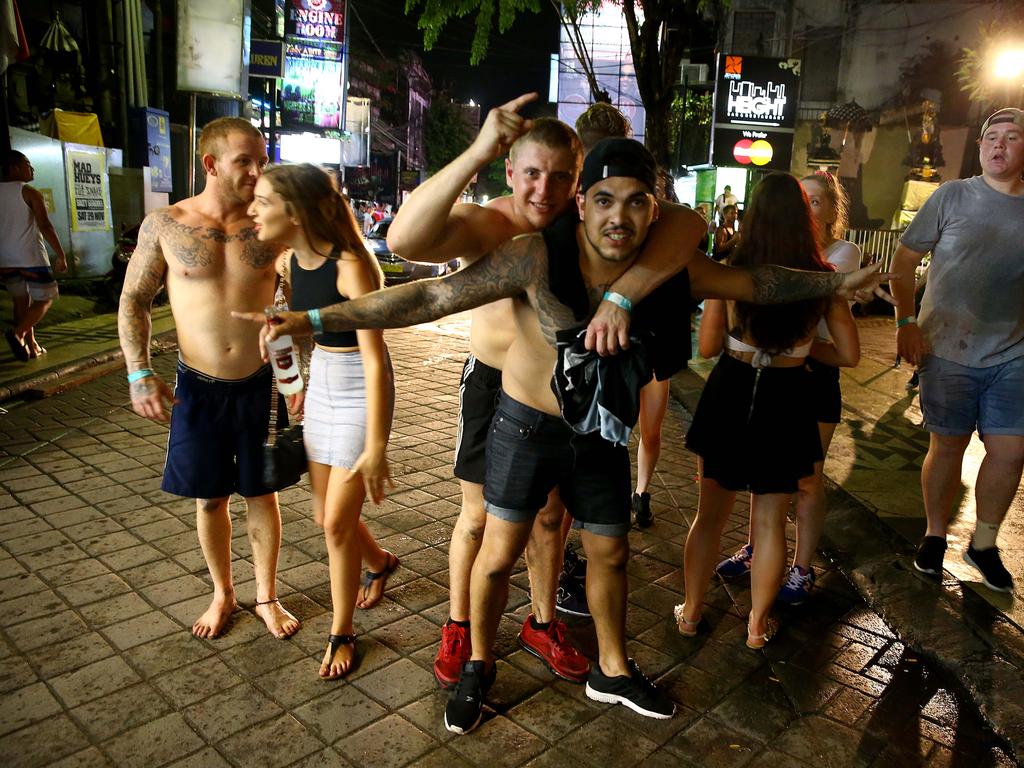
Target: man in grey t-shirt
pixel 969 341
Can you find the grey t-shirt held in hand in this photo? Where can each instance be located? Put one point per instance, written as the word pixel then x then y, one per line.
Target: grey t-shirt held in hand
pixel 972 312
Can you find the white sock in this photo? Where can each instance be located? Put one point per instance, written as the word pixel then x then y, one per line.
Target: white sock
pixel 985 535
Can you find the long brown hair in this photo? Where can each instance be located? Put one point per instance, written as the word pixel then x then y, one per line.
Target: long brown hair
pixel 779 229
pixel 310 195
pixel 840 201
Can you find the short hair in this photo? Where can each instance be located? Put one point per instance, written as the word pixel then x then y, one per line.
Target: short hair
pixel 602 121
pixel 216 132
pixel 840 200
pixel 551 133
pixel 730 207
pixel 12 158
pixel 727 187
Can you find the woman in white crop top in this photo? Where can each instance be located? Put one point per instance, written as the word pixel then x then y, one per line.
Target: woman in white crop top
pixel 755 428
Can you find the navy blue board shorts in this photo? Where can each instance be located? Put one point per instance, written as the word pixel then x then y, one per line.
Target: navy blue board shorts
pixel 218 428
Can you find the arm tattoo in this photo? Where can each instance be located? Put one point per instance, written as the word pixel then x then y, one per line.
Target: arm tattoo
pixel 188 243
pixel 779 285
pixel 509 271
pixel 145 275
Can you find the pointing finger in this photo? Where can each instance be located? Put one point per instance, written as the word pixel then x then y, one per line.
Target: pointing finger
pixel 520 101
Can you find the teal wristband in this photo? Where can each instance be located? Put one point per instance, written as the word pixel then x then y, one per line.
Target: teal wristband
pixel 315 321
pixel 142 373
pixel 618 300
pixel 908 320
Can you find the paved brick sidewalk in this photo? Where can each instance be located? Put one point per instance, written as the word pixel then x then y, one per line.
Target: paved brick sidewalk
pixel 100 576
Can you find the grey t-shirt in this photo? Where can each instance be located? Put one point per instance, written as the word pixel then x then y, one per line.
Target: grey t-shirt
pixel 973 307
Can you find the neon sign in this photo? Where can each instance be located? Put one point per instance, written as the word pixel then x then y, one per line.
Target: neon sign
pixel 316 19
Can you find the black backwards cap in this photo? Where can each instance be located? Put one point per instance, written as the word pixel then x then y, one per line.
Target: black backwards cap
pixel 618 157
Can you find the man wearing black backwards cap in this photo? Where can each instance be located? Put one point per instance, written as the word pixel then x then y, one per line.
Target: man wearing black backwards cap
pixel 969 341
pixel 530 448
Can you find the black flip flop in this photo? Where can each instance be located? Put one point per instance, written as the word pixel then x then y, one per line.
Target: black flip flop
pixel 369 577
pixel 18 348
pixel 334 642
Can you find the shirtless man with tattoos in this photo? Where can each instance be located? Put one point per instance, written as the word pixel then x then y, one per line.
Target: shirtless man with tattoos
pixel 206 250
pixel 530 448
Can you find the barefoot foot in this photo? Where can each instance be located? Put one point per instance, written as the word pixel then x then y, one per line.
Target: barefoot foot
pixel 280 623
pixel 339 658
pixel 212 623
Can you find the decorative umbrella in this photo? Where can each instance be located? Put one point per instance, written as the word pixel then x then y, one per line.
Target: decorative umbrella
pixel 59 40
pixel 850 117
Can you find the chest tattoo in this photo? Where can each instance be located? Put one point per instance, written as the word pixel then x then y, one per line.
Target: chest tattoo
pixel 196 246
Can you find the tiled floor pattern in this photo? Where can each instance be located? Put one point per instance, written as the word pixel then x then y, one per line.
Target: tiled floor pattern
pixel 100 575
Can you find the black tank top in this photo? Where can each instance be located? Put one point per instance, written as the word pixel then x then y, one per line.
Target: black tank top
pixel 315 288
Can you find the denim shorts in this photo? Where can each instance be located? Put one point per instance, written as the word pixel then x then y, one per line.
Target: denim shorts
pixel 529 453
pixel 957 399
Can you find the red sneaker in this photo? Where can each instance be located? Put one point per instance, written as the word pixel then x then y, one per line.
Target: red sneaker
pixel 455 651
pixel 553 647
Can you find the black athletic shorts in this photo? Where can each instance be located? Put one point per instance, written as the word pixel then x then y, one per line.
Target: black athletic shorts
pixel 478 394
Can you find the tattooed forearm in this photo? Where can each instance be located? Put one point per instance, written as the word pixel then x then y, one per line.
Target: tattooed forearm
pixel 142 281
pixel 501 274
pixel 779 285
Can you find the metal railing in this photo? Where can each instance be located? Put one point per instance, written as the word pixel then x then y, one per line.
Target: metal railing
pixel 875 244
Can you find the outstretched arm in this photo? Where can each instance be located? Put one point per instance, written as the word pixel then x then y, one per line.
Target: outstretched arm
pixel 769 284
pixel 430 227
pixel 505 272
pixel 146 271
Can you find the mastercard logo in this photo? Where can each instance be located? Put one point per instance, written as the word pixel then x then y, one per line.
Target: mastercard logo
pixel 757 152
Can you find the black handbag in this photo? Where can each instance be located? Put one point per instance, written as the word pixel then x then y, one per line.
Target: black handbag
pixel 284 453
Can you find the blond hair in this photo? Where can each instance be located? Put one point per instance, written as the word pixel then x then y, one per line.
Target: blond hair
pixel 840 201
pixel 602 121
pixel 216 132
pixel 553 134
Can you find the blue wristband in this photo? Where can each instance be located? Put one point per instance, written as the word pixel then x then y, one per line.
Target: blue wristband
pixel 142 373
pixel 618 300
pixel 908 320
pixel 315 321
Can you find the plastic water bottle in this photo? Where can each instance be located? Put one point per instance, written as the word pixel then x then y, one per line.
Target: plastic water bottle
pixel 284 359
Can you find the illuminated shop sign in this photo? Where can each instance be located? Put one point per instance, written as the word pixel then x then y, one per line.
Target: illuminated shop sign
pixel 753 149
pixel 312 91
pixel 756 102
pixel 316 19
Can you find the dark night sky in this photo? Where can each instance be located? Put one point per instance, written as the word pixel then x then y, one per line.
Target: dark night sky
pixel 517 61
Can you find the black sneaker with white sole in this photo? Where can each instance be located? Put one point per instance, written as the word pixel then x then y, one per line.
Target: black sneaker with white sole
pixel 466 701
pixel 634 691
pixel 930 553
pixel 993 573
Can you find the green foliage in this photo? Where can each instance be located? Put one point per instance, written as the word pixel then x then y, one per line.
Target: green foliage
pixel 446 134
pixel 435 14
pixel 490 180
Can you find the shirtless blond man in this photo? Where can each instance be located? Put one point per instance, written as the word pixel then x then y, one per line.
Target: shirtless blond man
pixel 206 250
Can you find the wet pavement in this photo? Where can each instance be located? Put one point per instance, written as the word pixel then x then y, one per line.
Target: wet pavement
pixel 101 575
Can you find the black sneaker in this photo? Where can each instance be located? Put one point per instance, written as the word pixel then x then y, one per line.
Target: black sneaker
pixel 929 555
pixel 573 566
pixel 571 597
pixel 993 574
pixel 642 515
pixel 635 691
pixel 466 701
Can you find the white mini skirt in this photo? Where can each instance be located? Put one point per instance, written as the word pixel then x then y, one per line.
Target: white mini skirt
pixel 334 424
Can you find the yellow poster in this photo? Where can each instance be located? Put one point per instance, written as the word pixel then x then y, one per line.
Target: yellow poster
pixel 87 190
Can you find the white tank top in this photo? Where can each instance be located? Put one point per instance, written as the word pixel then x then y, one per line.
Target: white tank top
pixel 21 243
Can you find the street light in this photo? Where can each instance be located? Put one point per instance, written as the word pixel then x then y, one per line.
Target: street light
pixel 1008 67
